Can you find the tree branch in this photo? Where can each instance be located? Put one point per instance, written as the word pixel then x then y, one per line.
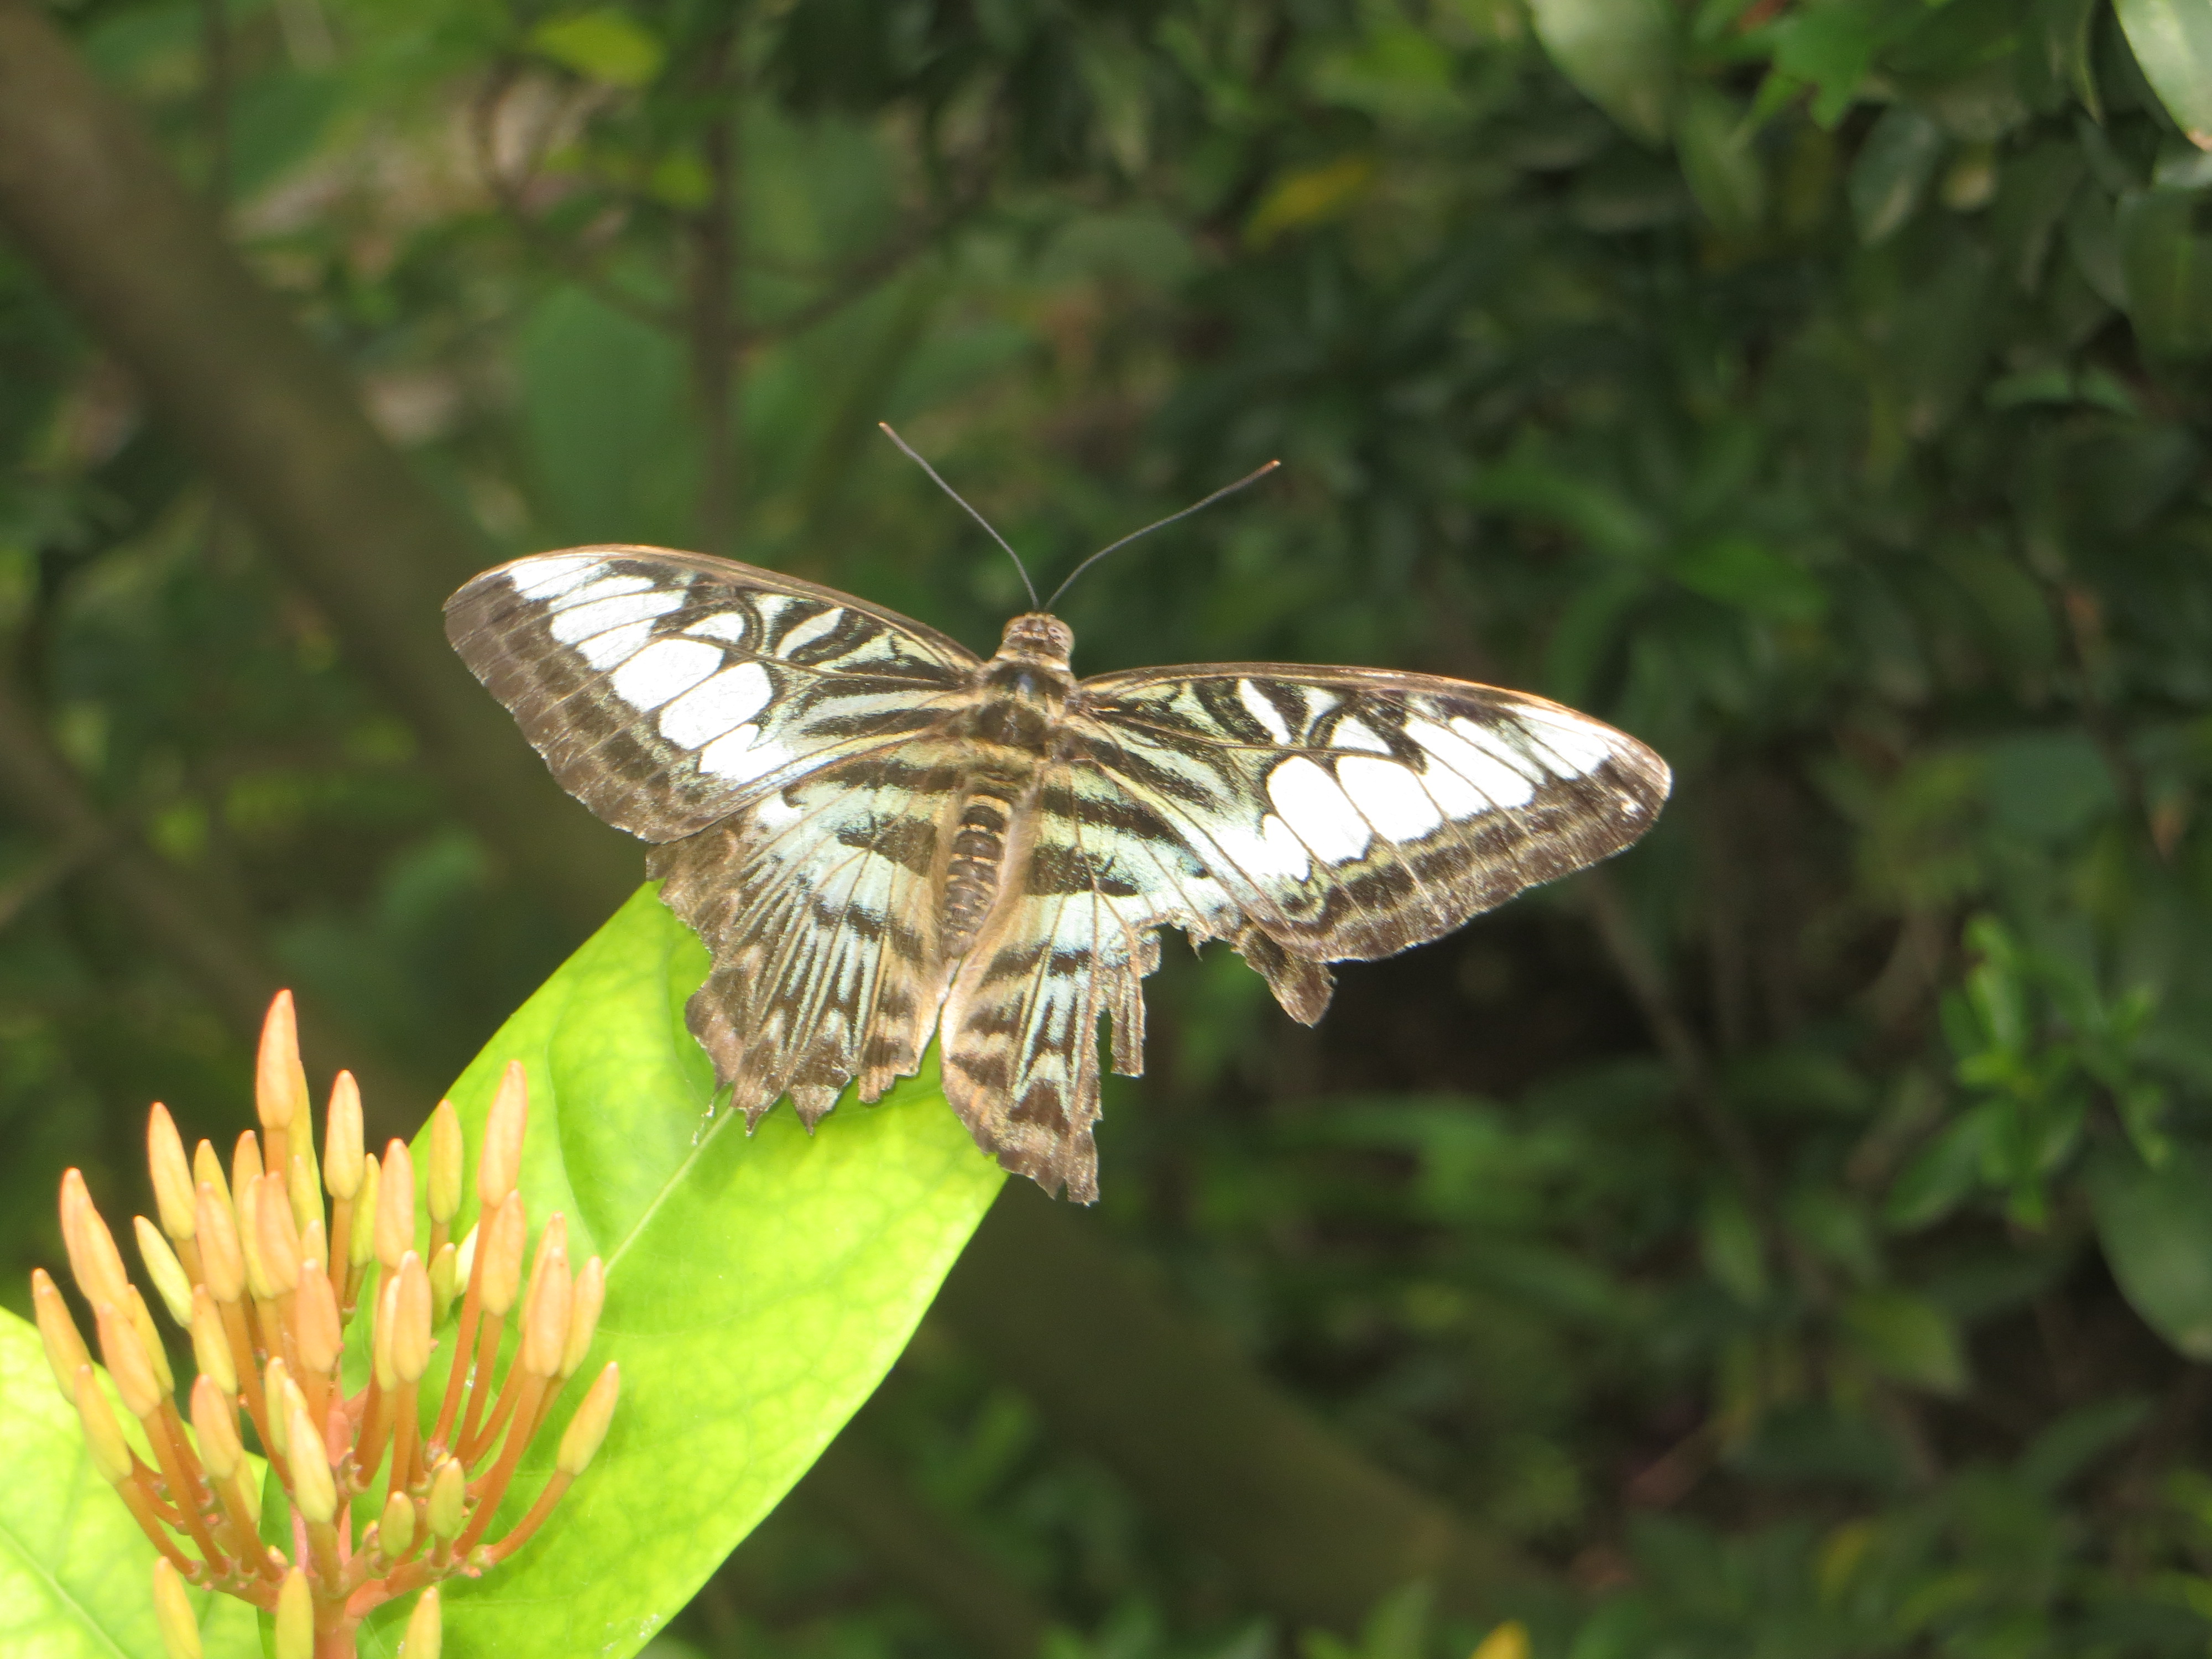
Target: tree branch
pixel 220 960
pixel 278 426
pixel 1311 1527
pixel 854 1489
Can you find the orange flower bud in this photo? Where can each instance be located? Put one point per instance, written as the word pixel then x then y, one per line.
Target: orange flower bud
pixel 277 1239
pixel 424 1631
pixel 580 1440
pixel 111 1453
pixel 360 1245
pixel 211 1344
pixel 584 1314
pixel 215 1425
pixel 58 1333
pixel 149 1338
pixel 395 1206
pixel 442 1196
pixel 128 1364
pixel 499 1166
pixel 223 1255
pixel 395 1529
pixel 94 1262
pixel 379 1340
pixel 172 1613
pixel 410 1329
pixel 502 1244
pixel 172 1177
pixel 244 1164
pixel 294 1634
pixel 171 1283
pixel 341 1147
pixel 545 1314
pixel 207 1171
pixel 280 1082
pixel 315 1323
pixel 448 1510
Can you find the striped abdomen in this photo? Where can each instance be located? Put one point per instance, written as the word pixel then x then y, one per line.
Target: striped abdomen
pixel 971 878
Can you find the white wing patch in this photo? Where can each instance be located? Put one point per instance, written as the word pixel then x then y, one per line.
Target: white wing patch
pixel 1352 734
pixel 1257 705
pixel 1462 751
pixel 1390 794
pixel 742 755
pixel 549 578
pixel 806 633
pixel 1577 744
pixel 1318 811
pixel 705 712
pixel 665 669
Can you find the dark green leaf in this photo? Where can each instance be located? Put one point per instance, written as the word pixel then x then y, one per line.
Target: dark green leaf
pixel 1891 174
pixel 1907 1339
pixel 2167 261
pixel 2157 1228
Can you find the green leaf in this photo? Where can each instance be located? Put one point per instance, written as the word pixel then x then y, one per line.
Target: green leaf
pixel 1729 1245
pixel 2156 1226
pixel 605 45
pixel 1943 1174
pixel 1737 571
pixel 1907 1339
pixel 1619 53
pixel 2172 40
pixel 1721 162
pixel 1892 172
pixel 2167 268
pixel 759 1286
pixel 76 1573
pixel 612 440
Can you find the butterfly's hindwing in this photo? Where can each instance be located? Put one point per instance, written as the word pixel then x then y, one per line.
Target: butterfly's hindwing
pixel 665 689
pixel 1095 874
pixel 816 901
pixel 1350 813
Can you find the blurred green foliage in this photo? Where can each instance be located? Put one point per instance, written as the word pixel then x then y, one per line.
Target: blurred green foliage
pixel 1800 1234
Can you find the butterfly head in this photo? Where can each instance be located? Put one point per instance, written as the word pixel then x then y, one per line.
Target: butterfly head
pixel 1036 637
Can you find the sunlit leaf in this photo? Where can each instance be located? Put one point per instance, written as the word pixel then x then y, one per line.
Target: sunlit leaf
pixel 1620 53
pixel 76 1572
pixel 2172 39
pixel 605 44
pixel 757 1286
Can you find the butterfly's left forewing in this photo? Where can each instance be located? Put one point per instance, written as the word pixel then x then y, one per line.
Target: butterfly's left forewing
pixel 668 690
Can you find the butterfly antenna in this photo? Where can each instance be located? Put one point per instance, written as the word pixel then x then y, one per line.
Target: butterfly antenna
pixel 1253 476
pixel 971 510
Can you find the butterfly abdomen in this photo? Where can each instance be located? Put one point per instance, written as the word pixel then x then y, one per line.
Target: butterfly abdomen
pixel 979 849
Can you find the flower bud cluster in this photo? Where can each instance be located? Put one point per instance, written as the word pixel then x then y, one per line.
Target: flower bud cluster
pixel 265 1266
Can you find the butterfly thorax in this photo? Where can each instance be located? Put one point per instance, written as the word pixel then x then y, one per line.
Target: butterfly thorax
pixel 1019 695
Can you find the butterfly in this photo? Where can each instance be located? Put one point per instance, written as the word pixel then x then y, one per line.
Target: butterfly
pixel 881 836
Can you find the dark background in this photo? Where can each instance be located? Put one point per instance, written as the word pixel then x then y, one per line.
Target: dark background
pixel 1790 1240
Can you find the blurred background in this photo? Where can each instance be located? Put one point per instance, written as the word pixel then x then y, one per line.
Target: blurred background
pixel 1793 1239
